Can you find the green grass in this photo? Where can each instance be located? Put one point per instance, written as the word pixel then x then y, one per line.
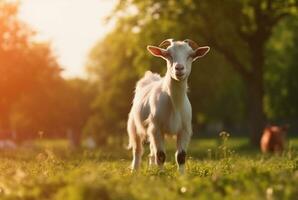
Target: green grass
pixel 215 170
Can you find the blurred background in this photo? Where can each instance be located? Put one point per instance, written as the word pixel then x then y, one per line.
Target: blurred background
pixel 68 68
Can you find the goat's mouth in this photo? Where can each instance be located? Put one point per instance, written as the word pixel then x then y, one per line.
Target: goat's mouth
pixel 179 76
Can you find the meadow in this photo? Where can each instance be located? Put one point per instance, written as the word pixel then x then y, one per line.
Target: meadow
pixel 65 71
pixel 224 168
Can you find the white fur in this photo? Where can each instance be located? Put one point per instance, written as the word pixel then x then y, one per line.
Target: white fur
pixel 161 106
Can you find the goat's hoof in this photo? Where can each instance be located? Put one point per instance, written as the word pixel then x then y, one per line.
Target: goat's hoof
pixel 181 169
pixel 133 170
pixel 181 157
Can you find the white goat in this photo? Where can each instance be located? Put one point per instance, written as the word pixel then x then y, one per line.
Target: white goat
pixel 161 105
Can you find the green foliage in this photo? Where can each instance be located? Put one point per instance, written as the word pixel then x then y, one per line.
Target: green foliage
pixel 56 107
pixel 120 59
pixel 34 97
pixel 75 101
pixel 114 80
pixel 280 75
pixel 231 78
pixel 27 68
pixel 48 170
pixel 24 64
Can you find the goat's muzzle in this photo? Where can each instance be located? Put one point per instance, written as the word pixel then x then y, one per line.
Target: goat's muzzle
pixel 179 71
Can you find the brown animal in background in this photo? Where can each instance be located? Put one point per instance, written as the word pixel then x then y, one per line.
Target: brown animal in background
pixel 273 139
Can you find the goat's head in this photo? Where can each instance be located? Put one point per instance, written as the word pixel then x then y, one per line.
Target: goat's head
pixel 179 56
pixel 277 131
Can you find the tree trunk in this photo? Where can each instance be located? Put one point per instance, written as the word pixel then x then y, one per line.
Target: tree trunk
pixel 256 114
pixel 255 92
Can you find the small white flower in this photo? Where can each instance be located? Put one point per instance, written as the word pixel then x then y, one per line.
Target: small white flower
pixel 183 189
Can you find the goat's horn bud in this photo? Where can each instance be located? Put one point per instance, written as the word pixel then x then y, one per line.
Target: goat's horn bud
pixel 192 44
pixel 166 43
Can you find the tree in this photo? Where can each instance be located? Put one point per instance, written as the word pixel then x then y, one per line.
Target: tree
pixel 57 108
pixel 239 30
pixel 281 70
pixel 252 24
pixel 76 106
pixel 116 63
pixel 25 65
pixel 109 66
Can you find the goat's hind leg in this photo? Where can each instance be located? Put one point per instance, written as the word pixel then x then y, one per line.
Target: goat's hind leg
pixel 152 155
pixel 135 142
pixel 137 153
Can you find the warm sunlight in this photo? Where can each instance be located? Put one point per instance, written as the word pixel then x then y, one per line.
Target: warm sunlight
pixel 148 99
pixel 72 27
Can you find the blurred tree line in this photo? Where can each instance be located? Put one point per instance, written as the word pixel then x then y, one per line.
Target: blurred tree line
pixel 34 99
pixel 247 80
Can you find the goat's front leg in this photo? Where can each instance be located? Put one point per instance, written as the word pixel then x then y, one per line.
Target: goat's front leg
pixel 183 139
pixel 157 149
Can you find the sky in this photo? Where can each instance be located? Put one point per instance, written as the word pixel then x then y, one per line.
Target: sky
pixel 72 26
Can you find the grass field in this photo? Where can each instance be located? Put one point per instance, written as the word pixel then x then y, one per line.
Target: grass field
pixel 216 169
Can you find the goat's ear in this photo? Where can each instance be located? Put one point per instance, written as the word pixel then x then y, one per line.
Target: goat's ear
pixel 200 52
pixel 156 51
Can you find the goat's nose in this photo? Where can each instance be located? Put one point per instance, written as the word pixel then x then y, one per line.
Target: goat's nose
pixel 179 67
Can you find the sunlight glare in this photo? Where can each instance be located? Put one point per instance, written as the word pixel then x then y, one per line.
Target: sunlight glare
pixel 73 27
